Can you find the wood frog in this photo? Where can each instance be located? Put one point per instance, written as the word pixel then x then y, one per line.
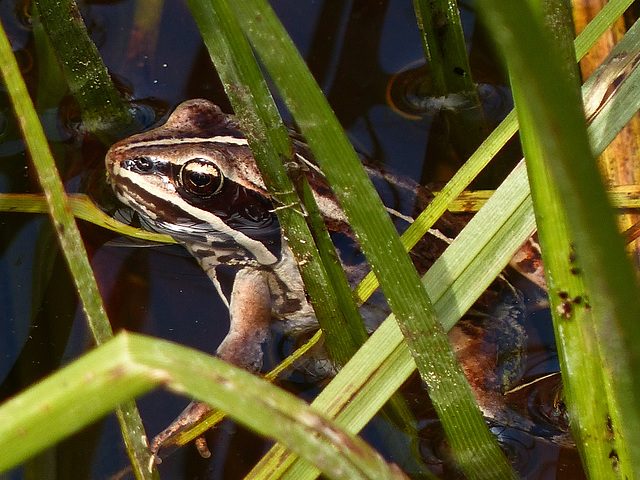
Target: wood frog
pixel 195 179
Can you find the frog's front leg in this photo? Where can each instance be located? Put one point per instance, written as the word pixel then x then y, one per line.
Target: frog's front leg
pixel 250 314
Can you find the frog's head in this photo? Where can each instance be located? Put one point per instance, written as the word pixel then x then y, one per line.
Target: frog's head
pixel 195 179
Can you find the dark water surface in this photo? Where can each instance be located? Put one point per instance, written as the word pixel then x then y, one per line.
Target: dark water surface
pixel 361 52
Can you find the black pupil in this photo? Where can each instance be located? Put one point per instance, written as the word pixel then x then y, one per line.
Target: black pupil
pixel 201 178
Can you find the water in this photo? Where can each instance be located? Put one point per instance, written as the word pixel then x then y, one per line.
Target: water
pixel 356 50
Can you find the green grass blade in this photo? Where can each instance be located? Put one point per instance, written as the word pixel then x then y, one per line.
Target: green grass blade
pixel 68 235
pixel 554 113
pixel 87 77
pixel 449 74
pixel 573 322
pixel 57 202
pixel 131 365
pixel 269 141
pixel 576 331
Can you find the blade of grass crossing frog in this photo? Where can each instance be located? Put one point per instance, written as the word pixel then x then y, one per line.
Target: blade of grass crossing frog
pixel 82 207
pixel 342 392
pixel 269 142
pixel 437 363
pixel 345 304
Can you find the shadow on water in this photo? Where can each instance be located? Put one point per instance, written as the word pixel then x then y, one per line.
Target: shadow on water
pixel 367 57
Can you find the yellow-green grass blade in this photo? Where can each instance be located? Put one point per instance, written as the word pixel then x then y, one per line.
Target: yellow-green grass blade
pixel 584 377
pixel 576 343
pixel 130 365
pixel 83 208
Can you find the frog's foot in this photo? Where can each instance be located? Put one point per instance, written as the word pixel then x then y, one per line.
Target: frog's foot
pixel 194 412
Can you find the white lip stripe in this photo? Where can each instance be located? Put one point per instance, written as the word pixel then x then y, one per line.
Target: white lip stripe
pixel 222 139
pixel 262 253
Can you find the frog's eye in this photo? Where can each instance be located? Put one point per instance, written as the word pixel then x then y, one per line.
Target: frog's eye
pixel 201 178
